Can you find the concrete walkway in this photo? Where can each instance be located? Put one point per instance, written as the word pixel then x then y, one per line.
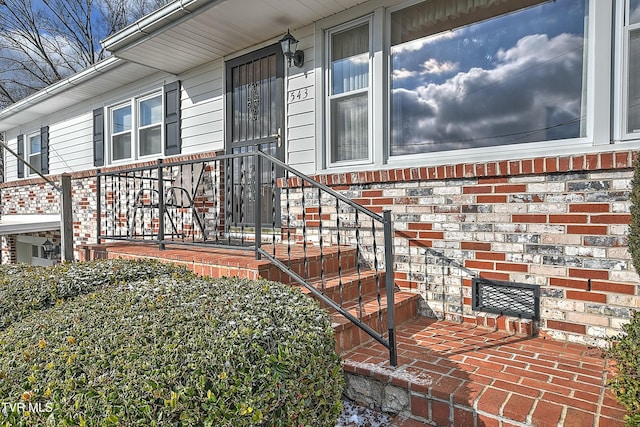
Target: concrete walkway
pixel 461 375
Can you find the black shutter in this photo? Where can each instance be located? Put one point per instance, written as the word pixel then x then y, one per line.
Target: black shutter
pixel 98 137
pixel 44 150
pixel 172 141
pixel 21 155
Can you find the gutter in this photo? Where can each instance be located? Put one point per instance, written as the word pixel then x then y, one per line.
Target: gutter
pixel 145 26
pixel 48 92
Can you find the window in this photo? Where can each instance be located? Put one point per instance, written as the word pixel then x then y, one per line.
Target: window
pixel 349 83
pixel 480 73
pixel 34 152
pixel 150 126
pixel 136 133
pixel 632 37
pixel 421 80
pixel 121 133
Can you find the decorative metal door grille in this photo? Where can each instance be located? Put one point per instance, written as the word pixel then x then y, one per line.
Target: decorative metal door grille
pixel 507 298
pixel 255 113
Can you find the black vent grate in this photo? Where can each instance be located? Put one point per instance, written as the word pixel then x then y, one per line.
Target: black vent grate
pixel 507 298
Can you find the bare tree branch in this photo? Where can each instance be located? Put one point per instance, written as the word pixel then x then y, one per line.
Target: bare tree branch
pixel 43 42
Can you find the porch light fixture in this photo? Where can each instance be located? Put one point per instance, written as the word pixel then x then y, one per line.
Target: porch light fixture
pixel 289 45
pixel 49 249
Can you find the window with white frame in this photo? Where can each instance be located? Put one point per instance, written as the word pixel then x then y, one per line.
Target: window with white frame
pixel 632 38
pixel 462 74
pixel 349 86
pixel 34 153
pixel 136 128
pixel 150 125
pixel 481 73
pixel 121 132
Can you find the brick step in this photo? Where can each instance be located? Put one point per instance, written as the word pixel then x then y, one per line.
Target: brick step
pixel 349 335
pixel 456 374
pixel 368 281
pixel 328 263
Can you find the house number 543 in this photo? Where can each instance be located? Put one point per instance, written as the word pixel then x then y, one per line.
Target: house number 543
pixel 298 95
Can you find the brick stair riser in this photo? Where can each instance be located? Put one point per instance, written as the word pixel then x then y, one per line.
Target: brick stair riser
pixel 329 265
pixel 349 335
pixel 368 286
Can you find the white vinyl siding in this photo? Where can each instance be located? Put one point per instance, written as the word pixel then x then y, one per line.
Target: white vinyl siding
pixel 203 109
pixel 300 103
pixel 72 145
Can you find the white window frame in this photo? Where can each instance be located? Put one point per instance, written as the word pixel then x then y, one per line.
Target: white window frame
pixel 29 154
pixel 598 124
pixel 134 131
pixel 113 133
pixel 138 127
pixel 368 90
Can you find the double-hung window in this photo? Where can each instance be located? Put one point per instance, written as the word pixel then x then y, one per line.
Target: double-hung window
pixel 632 39
pixel 136 128
pixel 34 152
pixel 150 125
pixel 121 138
pixel 349 87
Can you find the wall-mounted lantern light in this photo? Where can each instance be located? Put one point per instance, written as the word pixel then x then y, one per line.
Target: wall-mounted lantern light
pixel 289 48
pixel 49 249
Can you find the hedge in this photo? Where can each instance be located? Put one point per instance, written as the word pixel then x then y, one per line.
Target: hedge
pixel 624 349
pixel 27 288
pixel 634 225
pixel 174 352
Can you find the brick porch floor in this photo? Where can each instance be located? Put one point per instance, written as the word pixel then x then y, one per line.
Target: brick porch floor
pixel 472 376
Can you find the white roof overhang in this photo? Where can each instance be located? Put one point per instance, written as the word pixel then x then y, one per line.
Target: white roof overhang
pixel 21 224
pixel 101 78
pixel 187 33
pixel 178 37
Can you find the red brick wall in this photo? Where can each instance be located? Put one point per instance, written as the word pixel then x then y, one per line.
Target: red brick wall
pixel 557 222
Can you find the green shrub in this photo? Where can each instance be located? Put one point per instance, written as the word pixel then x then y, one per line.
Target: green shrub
pixel 625 350
pixel 634 224
pixel 175 352
pixel 26 288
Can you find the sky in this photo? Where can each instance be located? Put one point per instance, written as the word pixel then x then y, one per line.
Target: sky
pixel 516 78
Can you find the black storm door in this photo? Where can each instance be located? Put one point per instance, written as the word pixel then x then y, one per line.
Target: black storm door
pixel 255 114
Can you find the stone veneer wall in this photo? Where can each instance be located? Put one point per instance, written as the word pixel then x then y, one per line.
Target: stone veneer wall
pixel 8 250
pixel 34 196
pixel 558 222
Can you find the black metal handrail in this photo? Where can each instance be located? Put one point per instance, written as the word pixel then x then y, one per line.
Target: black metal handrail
pixel 253 201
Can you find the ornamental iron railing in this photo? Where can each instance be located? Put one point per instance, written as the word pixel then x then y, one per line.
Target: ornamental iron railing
pixel 253 201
